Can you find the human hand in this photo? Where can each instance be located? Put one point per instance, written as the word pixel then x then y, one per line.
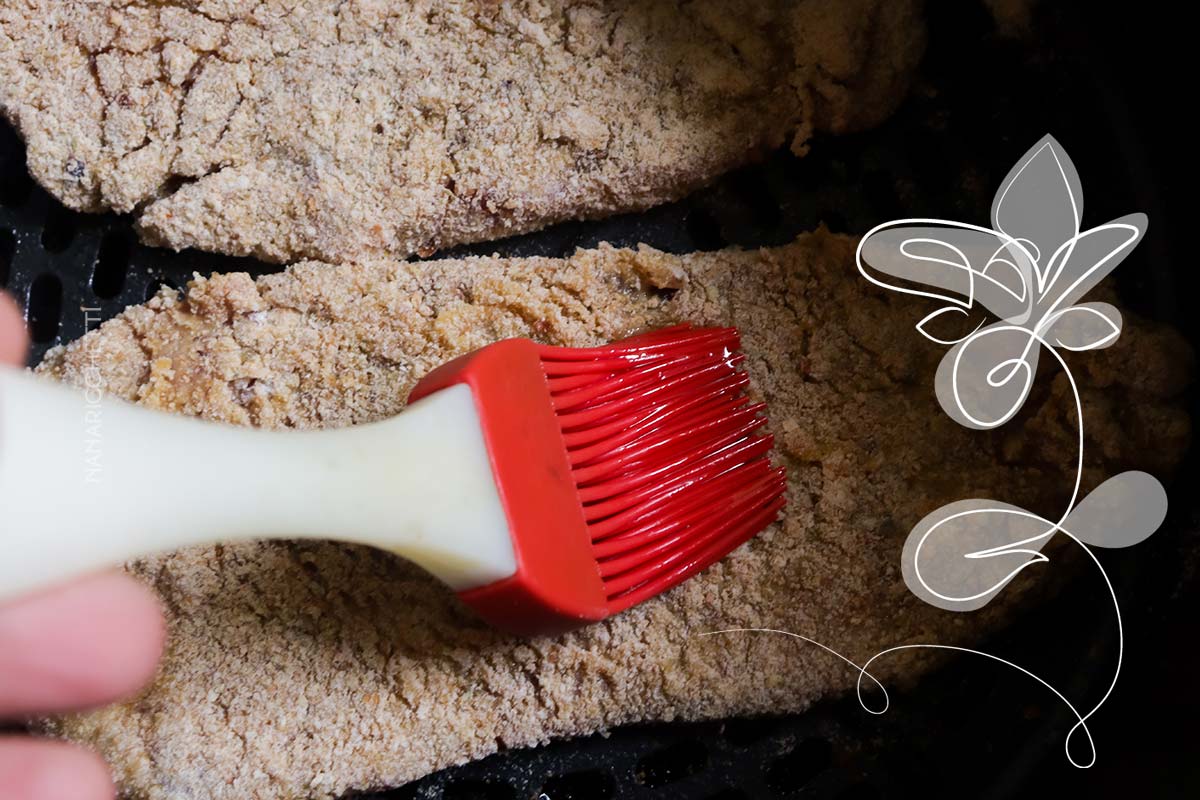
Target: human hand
pixel 83 644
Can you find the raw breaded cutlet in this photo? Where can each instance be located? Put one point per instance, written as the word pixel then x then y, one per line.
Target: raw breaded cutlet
pixel 341 130
pixel 308 669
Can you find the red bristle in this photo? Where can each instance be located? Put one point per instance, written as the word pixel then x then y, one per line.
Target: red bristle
pixel 709 460
pixel 683 552
pixel 570 392
pixel 599 433
pixel 683 440
pixel 646 344
pixel 634 494
pixel 631 568
pixel 707 407
pixel 688 510
pixel 595 468
pixel 703 555
pixel 554 369
pixel 679 514
pixel 666 453
pixel 610 396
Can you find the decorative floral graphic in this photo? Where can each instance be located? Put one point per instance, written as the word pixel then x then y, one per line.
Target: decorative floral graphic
pixel 1030 270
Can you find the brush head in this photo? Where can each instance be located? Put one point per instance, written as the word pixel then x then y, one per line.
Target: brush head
pixel 623 469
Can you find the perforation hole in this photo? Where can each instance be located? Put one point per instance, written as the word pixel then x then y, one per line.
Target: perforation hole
pixel 8 247
pixel 108 277
pixel 795 770
pixel 592 784
pixel 671 764
pixel 45 308
pixel 58 230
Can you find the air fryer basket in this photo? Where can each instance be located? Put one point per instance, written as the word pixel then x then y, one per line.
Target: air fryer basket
pixel 966 730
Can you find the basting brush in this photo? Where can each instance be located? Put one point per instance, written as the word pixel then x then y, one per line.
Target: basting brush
pixel 548 486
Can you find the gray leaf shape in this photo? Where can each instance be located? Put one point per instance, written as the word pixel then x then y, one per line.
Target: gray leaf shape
pixel 959 557
pixel 1082 262
pixel 1087 326
pixel 1122 511
pixel 967 262
pixel 1040 201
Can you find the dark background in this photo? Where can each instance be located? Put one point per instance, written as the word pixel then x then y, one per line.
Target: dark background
pixel 1113 84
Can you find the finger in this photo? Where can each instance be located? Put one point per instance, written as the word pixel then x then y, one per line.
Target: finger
pixel 83 644
pixel 35 769
pixel 13 339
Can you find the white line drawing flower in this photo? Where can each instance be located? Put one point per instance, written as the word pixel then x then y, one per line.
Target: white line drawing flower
pixel 1030 269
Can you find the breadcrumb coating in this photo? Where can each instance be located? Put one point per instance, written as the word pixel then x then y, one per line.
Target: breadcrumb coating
pixel 341 130
pixel 307 669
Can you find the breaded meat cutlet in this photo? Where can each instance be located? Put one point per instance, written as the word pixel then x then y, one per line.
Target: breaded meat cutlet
pixel 308 669
pixel 346 130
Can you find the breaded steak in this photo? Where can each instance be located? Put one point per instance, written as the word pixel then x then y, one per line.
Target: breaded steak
pixel 308 669
pixel 345 129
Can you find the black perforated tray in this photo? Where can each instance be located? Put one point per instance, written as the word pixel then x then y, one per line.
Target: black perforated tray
pixel 968 730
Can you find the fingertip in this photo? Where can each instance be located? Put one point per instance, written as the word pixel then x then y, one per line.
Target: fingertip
pixel 40 769
pixel 87 643
pixel 145 613
pixel 13 339
pixel 136 633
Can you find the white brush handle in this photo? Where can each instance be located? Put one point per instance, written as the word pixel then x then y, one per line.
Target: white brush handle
pixel 87 482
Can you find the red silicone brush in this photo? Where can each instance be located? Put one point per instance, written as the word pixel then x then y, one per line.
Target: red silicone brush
pixel 624 469
pixel 549 486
